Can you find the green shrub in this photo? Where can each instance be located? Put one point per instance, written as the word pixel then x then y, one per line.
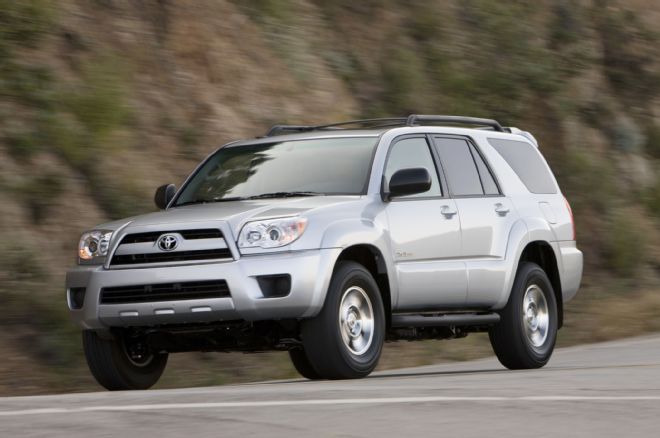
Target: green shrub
pixel 51 339
pixel 424 21
pixel 98 103
pixel 265 10
pixel 30 85
pixel 345 64
pixel 65 135
pixel 118 197
pixel 590 180
pixel 501 59
pixel 19 263
pixel 85 116
pixel 652 146
pixel 652 199
pixel 22 145
pixel 366 8
pixel 566 26
pixel 403 80
pixel 24 22
pixel 626 135
pixel 629 52
pixel 39 194
pixel 596 114
pixel 624 245
pixel 189 138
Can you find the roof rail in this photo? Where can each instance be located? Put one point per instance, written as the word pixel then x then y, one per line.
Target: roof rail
pixel 371 123
pixel 411 120
pixel 414 119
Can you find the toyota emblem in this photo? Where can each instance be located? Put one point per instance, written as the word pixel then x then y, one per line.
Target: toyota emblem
pixel 168 242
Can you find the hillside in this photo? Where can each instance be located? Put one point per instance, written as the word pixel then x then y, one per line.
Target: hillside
pixel 103 100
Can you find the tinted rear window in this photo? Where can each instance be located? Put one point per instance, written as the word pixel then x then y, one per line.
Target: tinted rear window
pixel 528 164
pixel 487 180
pixel 459 166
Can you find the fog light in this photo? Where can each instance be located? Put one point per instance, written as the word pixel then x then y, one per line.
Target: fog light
pixel 275 286
pixel 76 297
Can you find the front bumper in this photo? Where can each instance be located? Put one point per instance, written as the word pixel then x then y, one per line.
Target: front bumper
pixel 310 273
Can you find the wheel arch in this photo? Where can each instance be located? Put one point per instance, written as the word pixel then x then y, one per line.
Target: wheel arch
pixel 372 259
pixel 541 253
pixel 531 240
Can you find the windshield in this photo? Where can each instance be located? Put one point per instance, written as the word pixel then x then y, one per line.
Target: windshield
pixel 329 166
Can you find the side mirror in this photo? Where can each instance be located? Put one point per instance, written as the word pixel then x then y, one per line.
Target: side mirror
pixel 164 195
pixel 409 182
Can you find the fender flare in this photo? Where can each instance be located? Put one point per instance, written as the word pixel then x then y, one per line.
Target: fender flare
pixel 348 233
pixel 523 232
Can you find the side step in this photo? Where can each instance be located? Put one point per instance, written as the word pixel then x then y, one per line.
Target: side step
pixel 452 319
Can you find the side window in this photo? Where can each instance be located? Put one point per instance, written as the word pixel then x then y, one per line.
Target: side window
pixel 409 153
pixel 459 166
pixel 487 180
pixel 528 164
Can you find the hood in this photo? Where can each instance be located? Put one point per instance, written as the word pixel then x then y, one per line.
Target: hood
pixel 235 212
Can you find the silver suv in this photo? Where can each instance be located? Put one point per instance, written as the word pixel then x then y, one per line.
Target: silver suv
pixel 326 241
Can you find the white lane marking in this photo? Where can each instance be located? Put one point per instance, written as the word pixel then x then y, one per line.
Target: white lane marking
pixel 349 401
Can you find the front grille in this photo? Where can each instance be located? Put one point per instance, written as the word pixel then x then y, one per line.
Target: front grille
pixel 152 236
pixel 210 242
pixel 147 293
pixel 166 257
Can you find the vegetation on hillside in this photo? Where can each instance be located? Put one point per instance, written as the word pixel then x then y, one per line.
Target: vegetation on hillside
pixel 101 101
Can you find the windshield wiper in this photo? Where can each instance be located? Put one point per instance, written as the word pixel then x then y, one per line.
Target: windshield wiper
pixel 196 201
pixel 244 198
pixel 206 201
pixel 284 195
pixel 229 199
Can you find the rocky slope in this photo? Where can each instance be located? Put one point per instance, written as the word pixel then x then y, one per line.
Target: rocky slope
pixel 103 100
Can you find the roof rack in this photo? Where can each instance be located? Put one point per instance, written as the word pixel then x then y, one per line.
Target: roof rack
pixel 411 120
pixel 414 119
pixel 370 123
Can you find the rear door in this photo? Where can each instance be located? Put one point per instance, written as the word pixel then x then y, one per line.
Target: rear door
pixel 486 215
pixel 424 234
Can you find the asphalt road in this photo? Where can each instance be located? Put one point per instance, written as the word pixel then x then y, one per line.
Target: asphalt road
pixel 610 389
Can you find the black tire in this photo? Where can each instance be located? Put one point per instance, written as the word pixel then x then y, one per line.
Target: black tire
pixel 114 370
pixel 302 364
pixel 325 348
pixel 514 348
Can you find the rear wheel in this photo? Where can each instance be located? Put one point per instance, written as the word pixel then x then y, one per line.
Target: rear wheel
pixel 525 337
pixel 122 363
pixel 345 340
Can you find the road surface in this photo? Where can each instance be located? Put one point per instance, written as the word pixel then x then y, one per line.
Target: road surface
pixel 604 390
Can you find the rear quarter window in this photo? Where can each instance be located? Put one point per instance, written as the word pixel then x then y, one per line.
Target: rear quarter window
pixel 528 164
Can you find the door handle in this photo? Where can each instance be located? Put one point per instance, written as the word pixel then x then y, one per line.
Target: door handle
pixel 501 209
pixel 447 211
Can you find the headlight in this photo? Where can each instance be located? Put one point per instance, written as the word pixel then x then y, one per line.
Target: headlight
pixel 271 233
pixel 93 246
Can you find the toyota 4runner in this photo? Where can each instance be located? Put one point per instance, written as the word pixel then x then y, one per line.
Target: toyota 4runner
pixel 326 241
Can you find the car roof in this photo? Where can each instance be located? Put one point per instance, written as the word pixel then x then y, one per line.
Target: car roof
pixel 378 132
pixel 335 133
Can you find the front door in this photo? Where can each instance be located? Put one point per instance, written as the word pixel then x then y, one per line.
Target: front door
pixel 425 235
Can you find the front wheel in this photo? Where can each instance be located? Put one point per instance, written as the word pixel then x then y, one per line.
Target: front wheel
pixel 345 339
pixel 302 365
pixel 525 337
pixel 122 363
